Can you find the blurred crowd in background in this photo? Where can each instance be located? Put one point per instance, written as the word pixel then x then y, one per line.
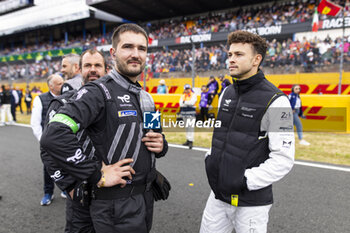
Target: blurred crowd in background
pixel 306 54
pixel 286 54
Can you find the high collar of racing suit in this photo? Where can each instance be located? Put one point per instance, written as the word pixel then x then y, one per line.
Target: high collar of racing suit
pixel 246 84
pixel 125 82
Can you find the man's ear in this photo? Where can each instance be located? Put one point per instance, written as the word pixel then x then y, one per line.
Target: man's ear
pixel 76 68
pixel 257 59
pixel 112 52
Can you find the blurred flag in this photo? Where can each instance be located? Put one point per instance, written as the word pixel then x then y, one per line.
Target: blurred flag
pixel 315 21
pixel 329 8
pixel 150 39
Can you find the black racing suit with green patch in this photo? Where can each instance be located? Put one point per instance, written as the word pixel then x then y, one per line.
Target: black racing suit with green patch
pixel 111 111
pixel 64 180
pixel 77 210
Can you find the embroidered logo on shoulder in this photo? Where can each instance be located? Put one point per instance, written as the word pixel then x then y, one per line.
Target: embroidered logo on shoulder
pixel 65 89
pixel 51 114
pixel 80 93
pixel 227 102
pixel 127 113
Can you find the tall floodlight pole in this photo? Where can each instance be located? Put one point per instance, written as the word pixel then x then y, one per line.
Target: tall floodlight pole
pixel 26 73
pixel 8 68
pixel 193 61
pixel 341 54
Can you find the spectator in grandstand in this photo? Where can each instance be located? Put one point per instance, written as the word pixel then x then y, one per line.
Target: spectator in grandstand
pixel 162 88
pixel 14 102
pixel 213 87
pixel 36 90
pixel 28 100
pixel 295 102
pixel 93 66
pixel 224 83
pixel 6 106
pixel 71 72
pixel 40 107
pixel 203 104
pixel 253 148
pixel 188 112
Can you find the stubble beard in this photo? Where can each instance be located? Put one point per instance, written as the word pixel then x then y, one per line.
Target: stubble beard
pixel 124 69
pixel 241 73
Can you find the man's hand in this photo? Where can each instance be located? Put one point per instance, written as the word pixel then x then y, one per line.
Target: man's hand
pixel 153 141
pixel 71 193
pixel 114 173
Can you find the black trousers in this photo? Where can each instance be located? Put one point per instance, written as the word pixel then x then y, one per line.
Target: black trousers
pixel 132 214
pixel 204 114
pixel 13 111
pixel 28 104
pixel 78 219
pixel 20 106
pixel 49 184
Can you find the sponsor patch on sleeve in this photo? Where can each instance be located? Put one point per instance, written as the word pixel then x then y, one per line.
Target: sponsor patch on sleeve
pixel 64 119
pixel 127 113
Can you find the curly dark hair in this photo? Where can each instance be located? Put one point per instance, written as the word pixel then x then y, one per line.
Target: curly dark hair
pixel 259 44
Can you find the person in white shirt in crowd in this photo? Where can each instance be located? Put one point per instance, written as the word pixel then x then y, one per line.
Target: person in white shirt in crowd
pixel 295 102
pixel 14 103
pixel 5 108
pixel 188 112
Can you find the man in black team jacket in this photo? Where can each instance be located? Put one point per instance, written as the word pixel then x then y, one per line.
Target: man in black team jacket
pixel 111 111
pixel 93 66
pixel 253 148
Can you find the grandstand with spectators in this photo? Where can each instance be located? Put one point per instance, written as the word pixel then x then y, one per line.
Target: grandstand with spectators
pixel 31 47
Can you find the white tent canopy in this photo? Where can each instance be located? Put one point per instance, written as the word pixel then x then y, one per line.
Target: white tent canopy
pixel 50 12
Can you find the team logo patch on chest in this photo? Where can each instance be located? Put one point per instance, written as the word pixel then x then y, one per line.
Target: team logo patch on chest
pixel 127 113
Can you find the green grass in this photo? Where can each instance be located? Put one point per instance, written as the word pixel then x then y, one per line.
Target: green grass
pixel 23 118
pixel 325 147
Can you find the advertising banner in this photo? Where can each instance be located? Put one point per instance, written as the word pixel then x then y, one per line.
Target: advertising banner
pixel 36 55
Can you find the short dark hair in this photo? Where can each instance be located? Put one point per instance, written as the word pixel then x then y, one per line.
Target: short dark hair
pixel 259 44
pixel 127 27
pixel 92 51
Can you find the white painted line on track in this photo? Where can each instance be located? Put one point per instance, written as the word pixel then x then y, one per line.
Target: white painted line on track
pixel 23 125
pixel 302 163
pixel 308 164
pixel 186 147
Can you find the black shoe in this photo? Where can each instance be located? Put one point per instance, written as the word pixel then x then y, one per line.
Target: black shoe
pixel 186 143
pixel 190 145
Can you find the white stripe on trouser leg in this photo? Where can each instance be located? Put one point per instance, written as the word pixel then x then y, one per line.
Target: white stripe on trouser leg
pixel 220 217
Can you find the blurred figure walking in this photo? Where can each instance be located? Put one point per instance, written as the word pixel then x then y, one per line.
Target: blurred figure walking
pixel 295 102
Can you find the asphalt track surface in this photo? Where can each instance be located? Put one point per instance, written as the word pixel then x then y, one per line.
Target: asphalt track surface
pixel 308 200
